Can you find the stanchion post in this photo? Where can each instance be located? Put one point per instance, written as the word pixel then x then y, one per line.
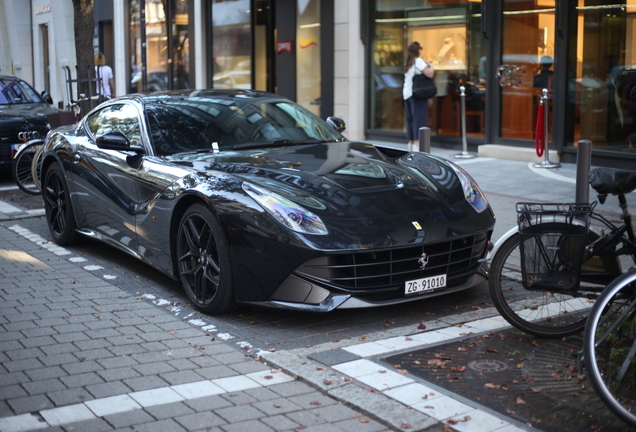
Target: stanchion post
pixel 583 163
pixel 464 154
pixel 546 146
pixel 425 139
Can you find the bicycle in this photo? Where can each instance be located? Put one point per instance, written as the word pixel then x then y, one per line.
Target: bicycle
pixel 23 160
pixel 546 274
pixel 62 118
pixel 609 345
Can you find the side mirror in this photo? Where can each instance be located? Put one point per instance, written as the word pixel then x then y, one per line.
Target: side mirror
pixel 47 97
pixel 116 141
pixel 336 123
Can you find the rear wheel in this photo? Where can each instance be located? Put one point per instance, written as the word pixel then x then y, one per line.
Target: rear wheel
pixel 21 167
pixel 58 207
pixel 539 312
pixel 203 261
pixel 610 345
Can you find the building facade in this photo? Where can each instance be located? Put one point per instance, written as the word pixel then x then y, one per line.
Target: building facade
pixel 346 58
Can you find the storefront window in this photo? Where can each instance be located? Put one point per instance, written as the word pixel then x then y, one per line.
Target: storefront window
pixel 308 76
pixel 527 43
pixel 602 89
pixel 451 38
pixel 167 61
pixel 231 44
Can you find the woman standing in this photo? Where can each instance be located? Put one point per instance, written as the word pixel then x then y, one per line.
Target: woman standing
pixel 416 109
pixel 105 78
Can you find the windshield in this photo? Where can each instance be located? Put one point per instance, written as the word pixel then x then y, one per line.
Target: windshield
pixel 13 91
pixel 190 124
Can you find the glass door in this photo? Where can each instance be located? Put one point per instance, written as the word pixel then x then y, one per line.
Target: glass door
pixel 528 54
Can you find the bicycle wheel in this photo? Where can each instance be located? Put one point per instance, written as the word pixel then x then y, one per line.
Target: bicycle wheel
pixel 21 167
pixel 609 346
pixel 36 168
pixel 538 312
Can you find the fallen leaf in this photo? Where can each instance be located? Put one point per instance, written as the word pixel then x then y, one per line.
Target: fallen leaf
pixel 421 326
pixel 364 420
pixel 405 426
pixel 315 403
pixel 520 401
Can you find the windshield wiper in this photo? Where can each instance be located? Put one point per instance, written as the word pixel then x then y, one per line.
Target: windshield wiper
pixel 274 143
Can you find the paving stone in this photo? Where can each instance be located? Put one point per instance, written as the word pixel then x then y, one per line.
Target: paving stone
pixel 24 353
pixel 215 372
pixel 145 383
pixel 59 348
pixel 305 418
pixel 208 403
pixel 108 389
pixel 82 380
pixel 293 388
pixel 12 391
pixel 58 359
pixel 94 425
pixel 12 378
pixel 162 425
pixel 183 364
pixel 129 418
pixel 180 377
pixel 43 387
pixel 69 337
pixel 117 362
pixel 69 396
pixel 30 404
pixel 276 406
pixel 202 420
pixel 253 425
pixel 155 368
pixel 236 414
pixel 45 373
pixel 169 410
pixel 81 365
pixel 280 423
pixel 355 425
pixel 118 374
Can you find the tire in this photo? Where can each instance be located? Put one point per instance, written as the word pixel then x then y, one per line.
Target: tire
pixel 609 346
pixel 36 168
pixel 538 312
pixel 21 167
pixel 57 205
pixel 203 261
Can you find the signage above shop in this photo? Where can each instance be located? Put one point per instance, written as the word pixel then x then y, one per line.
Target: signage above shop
pixel 285 46
pixel 42 9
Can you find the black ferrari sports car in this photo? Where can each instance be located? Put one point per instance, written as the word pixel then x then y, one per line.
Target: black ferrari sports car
pixel 248 198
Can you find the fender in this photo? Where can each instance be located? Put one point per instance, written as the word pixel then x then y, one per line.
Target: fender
pixel 514 230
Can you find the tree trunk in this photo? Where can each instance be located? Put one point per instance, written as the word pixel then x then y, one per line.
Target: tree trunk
pixel 84 31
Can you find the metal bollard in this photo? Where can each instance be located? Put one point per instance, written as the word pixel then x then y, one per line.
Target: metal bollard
pixel 464 154
pixel 425 139
pixel 583 163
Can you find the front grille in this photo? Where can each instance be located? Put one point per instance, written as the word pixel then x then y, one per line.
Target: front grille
pixel 457 258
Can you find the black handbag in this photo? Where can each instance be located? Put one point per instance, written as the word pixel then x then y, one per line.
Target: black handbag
pixel 423 86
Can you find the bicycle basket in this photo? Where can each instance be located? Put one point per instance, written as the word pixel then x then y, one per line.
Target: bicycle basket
pixel 553 238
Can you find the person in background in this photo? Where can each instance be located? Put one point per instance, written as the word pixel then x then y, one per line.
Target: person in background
pixel 105 79
pixel 544 78
pixel 416 109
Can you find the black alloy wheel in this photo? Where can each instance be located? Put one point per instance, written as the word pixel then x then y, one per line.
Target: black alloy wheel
pixel 203 261
pixel 58 207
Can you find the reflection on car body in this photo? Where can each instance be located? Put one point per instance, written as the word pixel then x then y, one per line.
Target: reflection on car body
pixel 248 198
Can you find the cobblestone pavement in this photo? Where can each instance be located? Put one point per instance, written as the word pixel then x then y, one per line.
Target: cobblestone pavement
pixel 91 340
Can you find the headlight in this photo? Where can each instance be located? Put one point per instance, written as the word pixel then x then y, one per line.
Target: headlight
pixel 472 193
pixel 288 213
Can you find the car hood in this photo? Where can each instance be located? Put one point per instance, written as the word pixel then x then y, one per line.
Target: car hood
pixel 24 117
pixel 343 180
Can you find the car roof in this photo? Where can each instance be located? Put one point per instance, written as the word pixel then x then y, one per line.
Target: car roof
pixel 10 77
pixel 202 94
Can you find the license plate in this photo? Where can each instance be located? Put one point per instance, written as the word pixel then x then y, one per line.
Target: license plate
pixel 424 285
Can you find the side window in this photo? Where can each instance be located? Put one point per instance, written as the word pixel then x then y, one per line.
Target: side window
pixel 122 117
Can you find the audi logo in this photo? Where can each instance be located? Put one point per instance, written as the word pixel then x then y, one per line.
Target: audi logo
pixel 28 135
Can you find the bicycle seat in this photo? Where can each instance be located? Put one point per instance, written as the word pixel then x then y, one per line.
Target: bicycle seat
pixel 612 181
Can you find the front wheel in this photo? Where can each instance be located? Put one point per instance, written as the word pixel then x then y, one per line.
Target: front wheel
pixel 609 347
pixel 538 312
pixel 58 207
pixel 203 261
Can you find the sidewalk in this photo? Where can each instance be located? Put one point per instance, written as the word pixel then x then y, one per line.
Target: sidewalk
pixel 78 353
